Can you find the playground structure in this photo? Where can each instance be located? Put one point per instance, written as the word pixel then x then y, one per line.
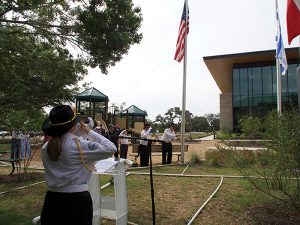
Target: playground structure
pixel 134 117
pixel 94 104
pixel 92 96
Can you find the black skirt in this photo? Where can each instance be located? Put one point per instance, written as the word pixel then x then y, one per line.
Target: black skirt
pixel 67 208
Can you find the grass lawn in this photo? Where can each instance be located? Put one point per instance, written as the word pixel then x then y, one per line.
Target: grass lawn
pixel 176 199
pixel 4 148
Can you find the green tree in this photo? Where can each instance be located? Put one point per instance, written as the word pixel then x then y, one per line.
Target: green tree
pixel 103 30
pixel 199 123
pixel 22 120
pixel 34 75
pixel 252 126
pixel 276 172
pixel 45 47
pixel 173 115
pixel 189 121
pixel 214 122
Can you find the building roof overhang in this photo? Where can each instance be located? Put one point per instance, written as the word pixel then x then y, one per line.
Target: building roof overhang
pixel 221 66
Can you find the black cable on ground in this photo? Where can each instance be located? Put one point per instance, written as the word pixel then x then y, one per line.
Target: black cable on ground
pixel 152 188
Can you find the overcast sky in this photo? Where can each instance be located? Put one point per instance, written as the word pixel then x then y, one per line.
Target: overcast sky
pixel 149 78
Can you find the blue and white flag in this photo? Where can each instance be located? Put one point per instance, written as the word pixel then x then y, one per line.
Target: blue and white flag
pixel 280 52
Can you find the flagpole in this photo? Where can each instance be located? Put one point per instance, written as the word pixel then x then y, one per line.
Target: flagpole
pixel 279 107
pixel 184 91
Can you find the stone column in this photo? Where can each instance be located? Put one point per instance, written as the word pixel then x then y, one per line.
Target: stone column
pixel 226 112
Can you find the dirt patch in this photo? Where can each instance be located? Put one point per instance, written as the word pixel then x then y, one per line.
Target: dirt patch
pixel 274 213
pixel 194 148
pixel 19 178
pixel 198 148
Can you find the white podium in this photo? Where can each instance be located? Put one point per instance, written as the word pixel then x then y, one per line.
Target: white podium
pixel 115 208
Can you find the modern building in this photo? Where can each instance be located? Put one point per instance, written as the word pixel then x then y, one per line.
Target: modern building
pixel 248 83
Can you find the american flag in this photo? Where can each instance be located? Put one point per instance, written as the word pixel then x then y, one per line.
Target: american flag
pixel 183 31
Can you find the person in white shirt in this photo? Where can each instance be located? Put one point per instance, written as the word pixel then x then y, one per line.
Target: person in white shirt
pixel 167 138
pixel 123 144
pixel 143 147
pixel 68 161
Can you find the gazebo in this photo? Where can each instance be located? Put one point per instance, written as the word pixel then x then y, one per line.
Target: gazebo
pixel 135 113
pixel 92 95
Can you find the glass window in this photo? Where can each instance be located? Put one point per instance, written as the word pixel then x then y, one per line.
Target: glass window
pixel 255 90
pixel 250 85
pixel 274 84
pixel 236 101
pixel 236 87
pixel 267 83
pixel 292 79
pixel 243 82
pixel 257 86
pixel 236 82
pixel 284 88
pixel 244 100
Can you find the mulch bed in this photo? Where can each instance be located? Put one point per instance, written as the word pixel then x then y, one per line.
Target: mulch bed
pixel 274 213
pixel 31 176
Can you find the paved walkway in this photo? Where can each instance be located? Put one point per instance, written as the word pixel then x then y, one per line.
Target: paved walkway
pixel 207 138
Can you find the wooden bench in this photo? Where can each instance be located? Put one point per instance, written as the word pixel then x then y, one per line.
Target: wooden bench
pixel 156 150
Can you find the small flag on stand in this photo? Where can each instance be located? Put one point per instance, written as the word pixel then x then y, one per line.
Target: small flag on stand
pixel 183 31
pixel 293 19
pixel 280 52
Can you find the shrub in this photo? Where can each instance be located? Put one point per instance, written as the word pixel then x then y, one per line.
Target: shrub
pixel 263 158
pixel 225 133
pixel 213 162
pixel 243 158
pixel 251 126
pixel 217 157
pixel 195 159
pixel 278 172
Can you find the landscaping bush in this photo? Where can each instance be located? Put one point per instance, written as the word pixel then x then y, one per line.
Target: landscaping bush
pixel 225 133
pixel 247 143
pixel 277 169
pixel 195 159
pixel 245 158
pixel 263 158
pixel 217 157
pixel 252 127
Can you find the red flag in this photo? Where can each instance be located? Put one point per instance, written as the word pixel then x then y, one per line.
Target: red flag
pixel 293 19
pixel 183 31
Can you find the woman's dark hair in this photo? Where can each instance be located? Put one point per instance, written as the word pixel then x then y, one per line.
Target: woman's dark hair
pixel 54 148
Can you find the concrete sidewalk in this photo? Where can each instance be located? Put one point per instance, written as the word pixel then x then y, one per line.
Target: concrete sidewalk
pixel 207 138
